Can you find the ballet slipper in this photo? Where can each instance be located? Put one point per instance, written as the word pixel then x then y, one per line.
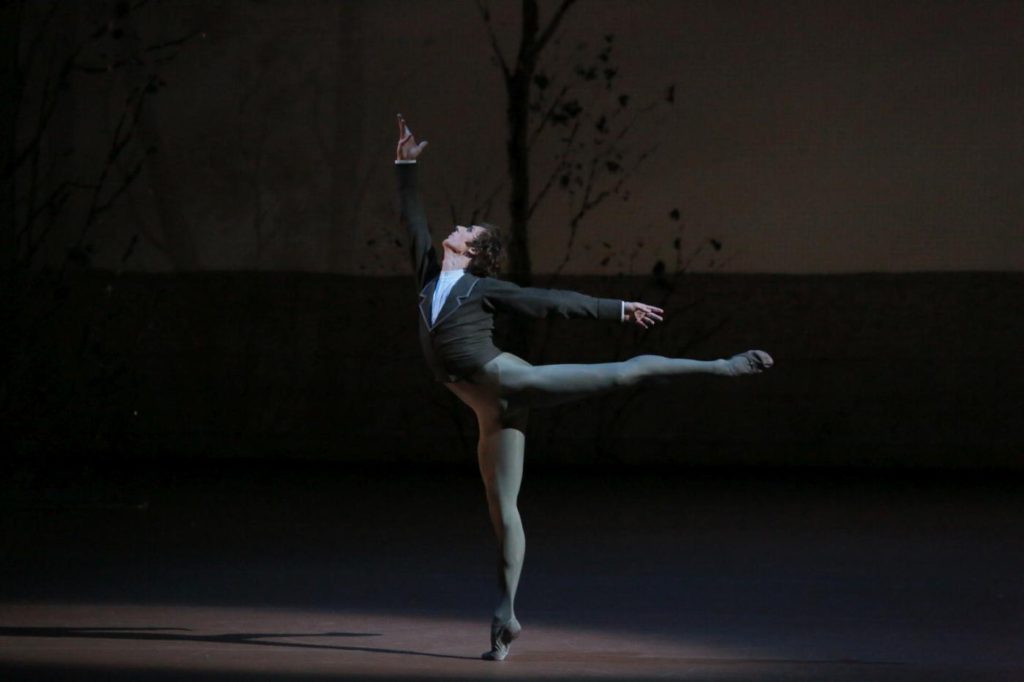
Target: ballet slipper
pixel 502 635
pixel 750 362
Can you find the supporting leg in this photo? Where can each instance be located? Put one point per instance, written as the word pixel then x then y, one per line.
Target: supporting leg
pixel 500 456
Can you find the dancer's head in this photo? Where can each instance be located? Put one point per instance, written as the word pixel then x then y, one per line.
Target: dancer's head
pixel 487 251
pixel 482 244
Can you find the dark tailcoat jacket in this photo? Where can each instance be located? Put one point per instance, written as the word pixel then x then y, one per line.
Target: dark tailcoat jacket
pixel 461 341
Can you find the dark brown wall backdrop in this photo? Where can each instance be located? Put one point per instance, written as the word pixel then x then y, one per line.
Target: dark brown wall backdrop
pixel 836 136
pixel 267 307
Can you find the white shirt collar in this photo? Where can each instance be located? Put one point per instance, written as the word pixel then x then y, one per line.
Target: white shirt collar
pixel 452 274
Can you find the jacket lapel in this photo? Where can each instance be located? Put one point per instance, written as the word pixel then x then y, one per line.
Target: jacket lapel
pixel 459 293
pixel 426 297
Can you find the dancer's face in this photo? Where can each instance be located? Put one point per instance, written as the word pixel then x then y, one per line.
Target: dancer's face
pixel 459 239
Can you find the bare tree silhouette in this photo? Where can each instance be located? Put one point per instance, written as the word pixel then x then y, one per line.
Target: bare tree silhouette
pixel 571 134
pixel 568 122
pixel 519 76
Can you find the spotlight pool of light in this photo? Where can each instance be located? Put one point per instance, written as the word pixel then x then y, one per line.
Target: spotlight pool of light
pixel 211 639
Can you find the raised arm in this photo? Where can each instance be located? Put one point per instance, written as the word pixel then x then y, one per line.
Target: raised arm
pixel 424 256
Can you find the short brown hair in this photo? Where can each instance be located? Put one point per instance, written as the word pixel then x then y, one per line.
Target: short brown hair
pixel 488 253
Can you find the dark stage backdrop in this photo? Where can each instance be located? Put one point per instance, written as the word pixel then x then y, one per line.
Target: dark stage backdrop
pixel 807 137
pixel 877 370
pixel 209 151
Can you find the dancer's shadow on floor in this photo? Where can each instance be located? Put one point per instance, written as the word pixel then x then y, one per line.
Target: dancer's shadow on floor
pixel 178 635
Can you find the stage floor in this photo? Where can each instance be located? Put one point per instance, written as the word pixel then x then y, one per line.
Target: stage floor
pixel 234 570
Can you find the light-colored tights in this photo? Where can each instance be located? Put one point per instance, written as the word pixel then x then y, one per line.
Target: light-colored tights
pixel 502 393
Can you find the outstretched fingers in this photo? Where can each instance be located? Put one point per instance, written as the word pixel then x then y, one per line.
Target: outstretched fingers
pixel 407 148
pixel 645 315
pixel 656 314
pixel 648 320
pixel 404 138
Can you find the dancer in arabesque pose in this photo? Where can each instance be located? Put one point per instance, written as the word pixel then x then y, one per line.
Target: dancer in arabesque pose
pixel 459 297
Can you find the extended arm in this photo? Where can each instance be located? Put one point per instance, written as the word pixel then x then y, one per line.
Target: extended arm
pixel 424 256
pixel 509 297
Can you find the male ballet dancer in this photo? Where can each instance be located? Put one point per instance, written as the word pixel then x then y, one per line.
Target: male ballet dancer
pixel 458 299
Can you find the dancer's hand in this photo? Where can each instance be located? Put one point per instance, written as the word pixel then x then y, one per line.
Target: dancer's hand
pixel 407 149
pixel 642 314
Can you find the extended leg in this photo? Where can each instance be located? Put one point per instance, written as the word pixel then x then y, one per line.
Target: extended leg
pixel 547 385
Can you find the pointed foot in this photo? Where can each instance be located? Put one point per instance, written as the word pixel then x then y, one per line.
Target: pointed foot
pixel 751 362
pixel 502 635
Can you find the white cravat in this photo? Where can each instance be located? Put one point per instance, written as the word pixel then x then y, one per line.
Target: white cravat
pixel 445 282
